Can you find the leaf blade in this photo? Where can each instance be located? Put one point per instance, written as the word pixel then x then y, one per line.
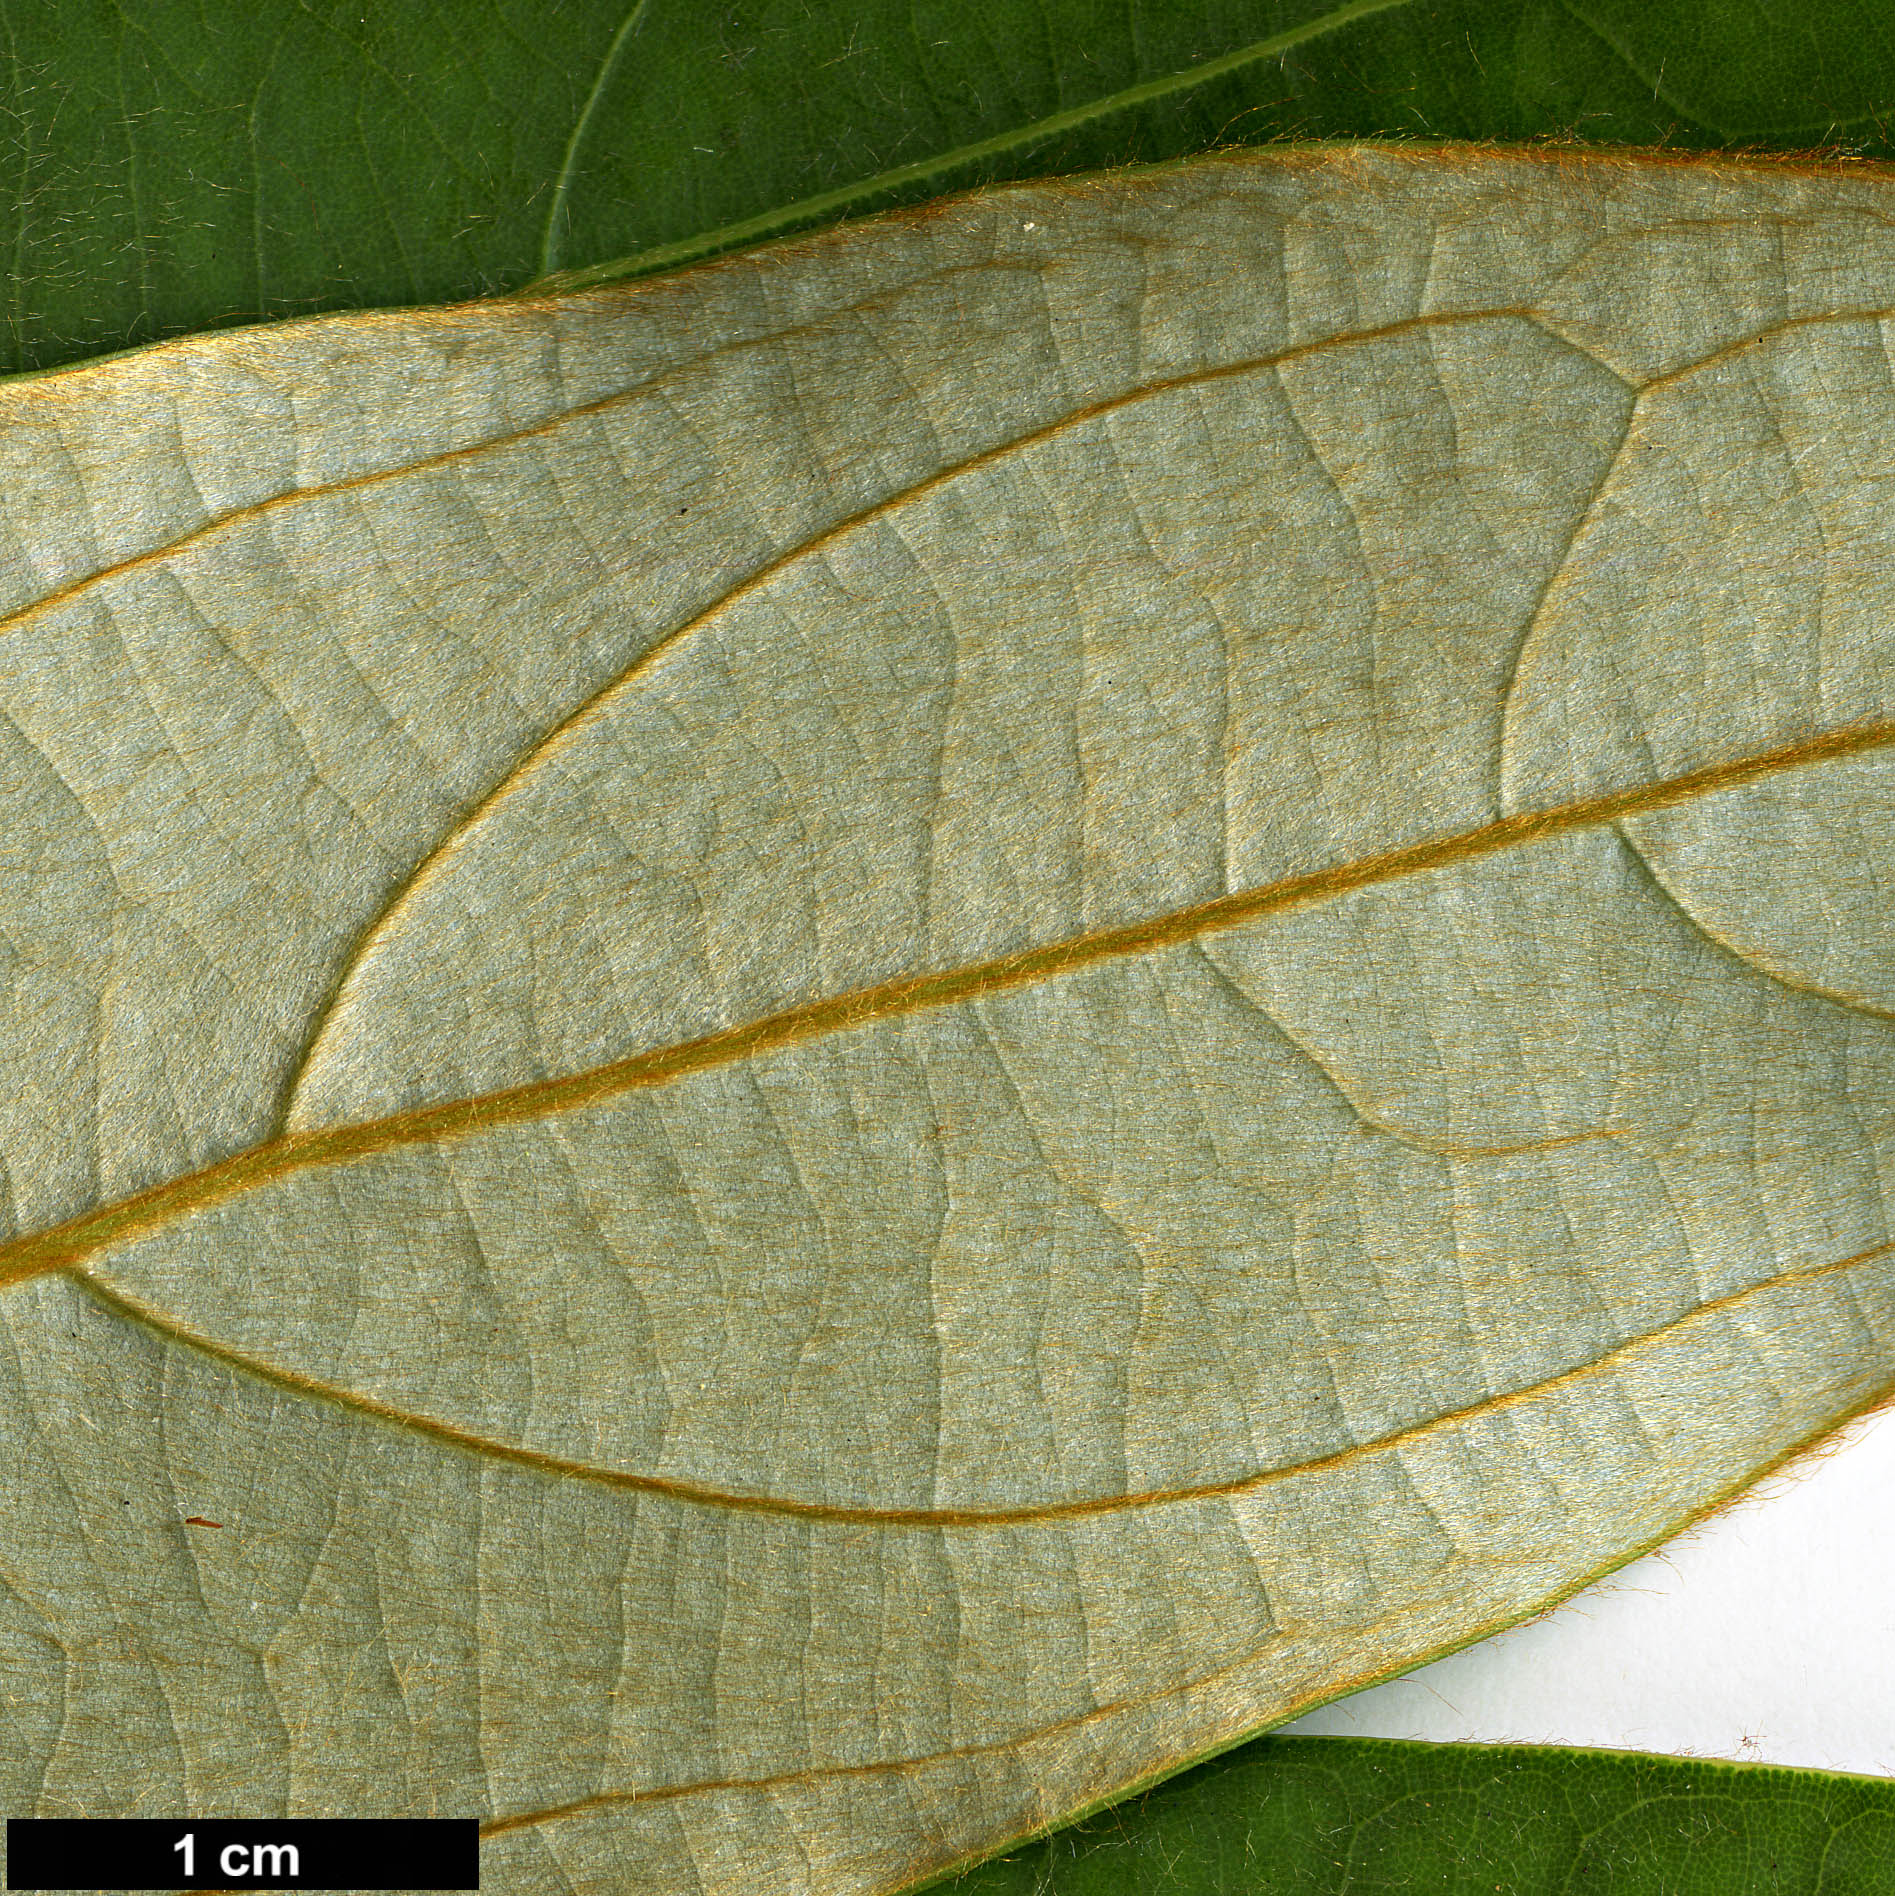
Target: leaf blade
pixel 306 158
pixel 1458 1816
pixel 1200 1300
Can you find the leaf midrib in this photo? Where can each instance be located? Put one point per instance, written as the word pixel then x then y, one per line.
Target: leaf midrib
pixel 66 1245
pixel 556 214
pixel 837 203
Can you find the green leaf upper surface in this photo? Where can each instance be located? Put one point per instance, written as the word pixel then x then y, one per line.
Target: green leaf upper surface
pixel 850 1046
pixel 1358 1817
pixel 164 166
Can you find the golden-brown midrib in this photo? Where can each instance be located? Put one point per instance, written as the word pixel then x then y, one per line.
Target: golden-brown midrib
pixel 66 1244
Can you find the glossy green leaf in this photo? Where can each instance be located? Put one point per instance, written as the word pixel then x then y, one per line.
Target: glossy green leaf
pixel 800 1062
pixel 167 170
pixel 1358 1817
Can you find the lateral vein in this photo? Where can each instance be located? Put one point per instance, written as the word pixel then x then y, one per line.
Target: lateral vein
pixel 1133 1701
pixel 574 721
pixel 724 1500
pixel 568 727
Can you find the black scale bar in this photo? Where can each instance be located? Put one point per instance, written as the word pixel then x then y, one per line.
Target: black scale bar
pixel 128 1853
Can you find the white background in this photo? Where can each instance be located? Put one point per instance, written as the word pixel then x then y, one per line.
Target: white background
pixel 1767 1633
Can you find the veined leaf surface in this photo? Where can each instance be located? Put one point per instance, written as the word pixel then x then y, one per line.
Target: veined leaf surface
pixel 802 1061
pixel 1373 1817
pixel 317 154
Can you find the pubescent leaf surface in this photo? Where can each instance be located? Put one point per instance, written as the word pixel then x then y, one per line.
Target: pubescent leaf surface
pixel 803 1061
